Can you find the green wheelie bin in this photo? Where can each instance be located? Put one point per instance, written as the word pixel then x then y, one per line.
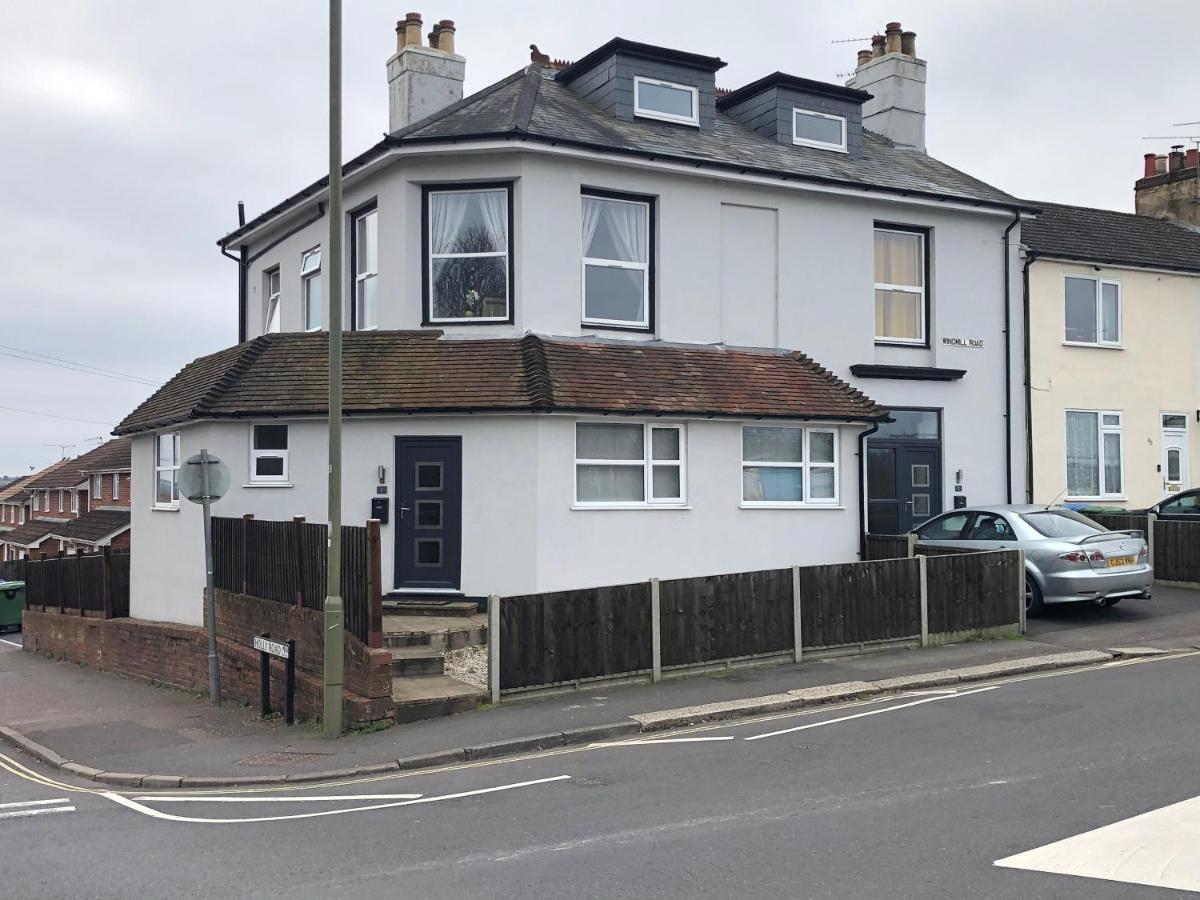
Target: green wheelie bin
pixel 12 602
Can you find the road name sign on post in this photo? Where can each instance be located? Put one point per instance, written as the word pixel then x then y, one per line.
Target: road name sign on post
pixel 203 479
pixel 285 650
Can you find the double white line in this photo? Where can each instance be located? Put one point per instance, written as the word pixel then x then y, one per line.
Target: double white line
pixel 34 808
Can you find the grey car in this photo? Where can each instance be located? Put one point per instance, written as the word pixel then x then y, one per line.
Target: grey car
pixel 1068 557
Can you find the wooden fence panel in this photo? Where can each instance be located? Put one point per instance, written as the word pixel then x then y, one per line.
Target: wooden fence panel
pixel 75 584
pixel 725 616
pixel 567 635
pixel 885 546
pixel 857 603
pixel 1119 521
pixel 119 584
pixel 1177 551
pixel 974 590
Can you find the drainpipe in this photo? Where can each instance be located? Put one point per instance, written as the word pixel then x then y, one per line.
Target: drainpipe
pixel 1008 494
pixel 1029 260
pixel 242 262
pixel 862 486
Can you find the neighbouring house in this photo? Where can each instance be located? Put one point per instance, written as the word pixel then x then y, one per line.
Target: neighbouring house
pixel 605 323
pixel 1170 187
pixel 107 520
pixel 58 511
pixel 13 507
pixel 1114 377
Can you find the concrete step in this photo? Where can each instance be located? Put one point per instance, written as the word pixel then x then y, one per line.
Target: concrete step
pixel 408 661
pixel 398 606
pixel 449 639
pixel 433 696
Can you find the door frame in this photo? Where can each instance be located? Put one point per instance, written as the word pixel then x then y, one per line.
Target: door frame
pixel 401 441
pixel 938 446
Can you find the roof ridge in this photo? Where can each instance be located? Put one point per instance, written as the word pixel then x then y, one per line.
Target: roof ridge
pixel 523 111
pixel 539 385
pixel 252 351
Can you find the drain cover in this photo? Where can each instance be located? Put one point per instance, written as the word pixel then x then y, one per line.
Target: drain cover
pixel 281 758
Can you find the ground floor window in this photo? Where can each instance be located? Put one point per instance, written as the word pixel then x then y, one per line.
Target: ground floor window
pixel 629 464
pixel 789 466
pixel 1094 469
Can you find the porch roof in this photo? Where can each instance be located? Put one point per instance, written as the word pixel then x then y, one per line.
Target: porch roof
pixel 94 526
pixel 30 534
pixel 404 372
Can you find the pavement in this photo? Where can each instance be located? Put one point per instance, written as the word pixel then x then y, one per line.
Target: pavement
pixel 1075 783
pixel 107 723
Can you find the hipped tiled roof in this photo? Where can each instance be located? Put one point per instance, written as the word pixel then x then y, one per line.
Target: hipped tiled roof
pixel 1106 236
pixel 69 473
pixel 94 526
pixel 421 371
pixel 29 534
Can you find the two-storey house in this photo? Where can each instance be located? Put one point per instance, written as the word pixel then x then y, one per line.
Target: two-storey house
pixel 608 322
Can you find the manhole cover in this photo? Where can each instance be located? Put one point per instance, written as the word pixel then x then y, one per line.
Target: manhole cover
pixel 281 758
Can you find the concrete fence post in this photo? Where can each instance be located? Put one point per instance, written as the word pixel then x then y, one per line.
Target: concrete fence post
pixel 1021 588
pixel 655 631
pixel 797 635
pixel 494 648
pixel 1151 519
pixel 912 544
pixel 923 580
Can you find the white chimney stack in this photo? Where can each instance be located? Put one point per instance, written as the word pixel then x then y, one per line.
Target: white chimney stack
pixel 423 80
pixel 895 77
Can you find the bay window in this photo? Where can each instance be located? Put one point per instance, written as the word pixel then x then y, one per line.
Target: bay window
pixel 1092 311
pixel 364 253
pixel 468 245
pixel 629 464
pixel 166 470
pixel 269 454
pixel 616 261
pixel 1094 467
pixel 900 267
pixel 789 466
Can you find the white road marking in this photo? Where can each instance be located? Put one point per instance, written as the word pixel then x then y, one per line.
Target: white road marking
pixel 168 798
pixel 642 742
pixel 1158 848
pixel 873 712
pixel 34 803
pixel 11 644
pixel 158 814
pixel 22 813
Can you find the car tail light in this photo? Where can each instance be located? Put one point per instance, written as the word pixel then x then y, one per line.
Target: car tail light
pixel 1082 556
pixel 1144 553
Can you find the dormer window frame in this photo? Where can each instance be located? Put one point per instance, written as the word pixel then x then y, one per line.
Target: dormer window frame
pixel 799 141
pixel 641 112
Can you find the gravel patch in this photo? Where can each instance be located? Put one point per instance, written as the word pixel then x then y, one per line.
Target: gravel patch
pixel 470 664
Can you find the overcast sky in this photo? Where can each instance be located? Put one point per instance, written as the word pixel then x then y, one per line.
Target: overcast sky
pixel 130 130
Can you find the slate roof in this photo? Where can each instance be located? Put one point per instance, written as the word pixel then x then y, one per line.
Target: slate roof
pixel 70 473
pixel 94 526
pixel 14 489
pixel 30 534
pixel 532 105
pixel 1106 236
pixel 421 371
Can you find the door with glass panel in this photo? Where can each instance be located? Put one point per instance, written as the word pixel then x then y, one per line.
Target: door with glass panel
pixel 904 472
pixel 1174 453
pixel 428 512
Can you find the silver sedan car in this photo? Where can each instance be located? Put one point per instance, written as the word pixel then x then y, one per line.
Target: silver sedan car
pixel 1068 557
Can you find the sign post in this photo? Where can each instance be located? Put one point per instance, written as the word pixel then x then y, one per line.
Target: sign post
pixel 286 650
pixel 202 480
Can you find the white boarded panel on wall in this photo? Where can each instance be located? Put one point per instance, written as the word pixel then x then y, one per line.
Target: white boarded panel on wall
pixel 749 275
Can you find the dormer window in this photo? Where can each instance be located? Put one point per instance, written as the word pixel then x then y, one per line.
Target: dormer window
pixel 815 129
pixel 666 101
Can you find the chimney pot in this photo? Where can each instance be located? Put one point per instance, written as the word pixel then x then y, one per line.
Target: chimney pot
pixel 864 57
pixel 908 43
pixel 877 45
pixel 412 29
pixel 893 37
pixel 1148 165
pixel 1160 165
pixel 1175 160
pixel 1191 159
pixel 433 38
pixel 399 35
pixel 421 84
pixel 445 30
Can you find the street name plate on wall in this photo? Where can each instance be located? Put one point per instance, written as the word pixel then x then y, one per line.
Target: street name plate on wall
pixel 971 343
pixel 275 648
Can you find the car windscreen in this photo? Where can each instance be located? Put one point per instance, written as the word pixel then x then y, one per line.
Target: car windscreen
pixel 1062 523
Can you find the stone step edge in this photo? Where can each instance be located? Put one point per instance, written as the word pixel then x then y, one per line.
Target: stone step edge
pixel 637 724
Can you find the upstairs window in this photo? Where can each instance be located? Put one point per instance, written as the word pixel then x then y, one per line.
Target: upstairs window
pixel 365 254
pixel 60 500
pixel 468 275
pixel 116 486
pixel 166 470
pixel 1093 311
pixel 814 129
pixel 666 101
pixel 628 464
pixel 269 454
pixel 310 288
pixel 97 486
pixel 36 502
pixel 900 267
pixel 616 261
pixel 75 502
pixel 271 292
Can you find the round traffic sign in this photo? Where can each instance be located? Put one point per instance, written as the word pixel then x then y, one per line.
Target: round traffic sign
pixel 192 478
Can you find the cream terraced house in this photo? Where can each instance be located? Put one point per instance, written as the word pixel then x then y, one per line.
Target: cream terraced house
pixel 1113 302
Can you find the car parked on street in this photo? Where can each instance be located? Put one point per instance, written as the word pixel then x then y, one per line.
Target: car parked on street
pixel 1068 557
pixel 1181 507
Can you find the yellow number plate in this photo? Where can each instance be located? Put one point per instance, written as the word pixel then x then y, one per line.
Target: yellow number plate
pixel 1116 561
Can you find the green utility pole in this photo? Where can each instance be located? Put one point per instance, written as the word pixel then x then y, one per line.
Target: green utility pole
pixel 335 613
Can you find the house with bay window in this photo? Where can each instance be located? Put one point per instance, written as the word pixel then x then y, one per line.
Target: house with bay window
pixel 606 322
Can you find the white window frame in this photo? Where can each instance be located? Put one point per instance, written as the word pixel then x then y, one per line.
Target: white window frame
pixel 643 113
pixel 256 455
pixel 37 502
pixel 823 145
pixel 116 486
pixel 646 463
pixel 174 436
pixel 21 515
pixel 75 502
pixel 1098 306
pixel 366 274
pixel 61 501
pixel 309 272
pixel 805 465
pixel 272 312
pixel 97 487
pixel 508 254
pixel 905 288
pixel 1102 429
pixel 645 267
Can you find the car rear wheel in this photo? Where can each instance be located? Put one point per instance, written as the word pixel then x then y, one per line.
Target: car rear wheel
pixel 1033 598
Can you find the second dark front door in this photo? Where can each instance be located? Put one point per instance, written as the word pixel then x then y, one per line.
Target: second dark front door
pixel 904 472
pixel 428 512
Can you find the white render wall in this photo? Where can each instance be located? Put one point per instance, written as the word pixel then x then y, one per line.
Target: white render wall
pixel 520 532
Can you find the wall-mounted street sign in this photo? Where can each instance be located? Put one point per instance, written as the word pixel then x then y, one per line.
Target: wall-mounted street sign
pixel 275 648
pixel 971 343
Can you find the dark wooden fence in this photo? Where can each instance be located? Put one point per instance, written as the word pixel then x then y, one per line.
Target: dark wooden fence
pixel 285 561
pixel 1175 546
pixel 541 640
pixel 92 584
pixel 886 546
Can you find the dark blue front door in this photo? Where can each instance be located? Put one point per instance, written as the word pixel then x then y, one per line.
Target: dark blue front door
pixel 428 512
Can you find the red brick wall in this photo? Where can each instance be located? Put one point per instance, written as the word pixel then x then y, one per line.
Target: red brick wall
pixel 106 491
pixel 177 655
pixel 121 541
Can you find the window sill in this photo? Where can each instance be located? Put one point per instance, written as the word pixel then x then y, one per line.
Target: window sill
pixel 1121 499
pixel 268 484
pixel 632 506
pixel 616 326
pixel 752 505
pixel 163 508
pixel 898 342
pixel 1093 346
